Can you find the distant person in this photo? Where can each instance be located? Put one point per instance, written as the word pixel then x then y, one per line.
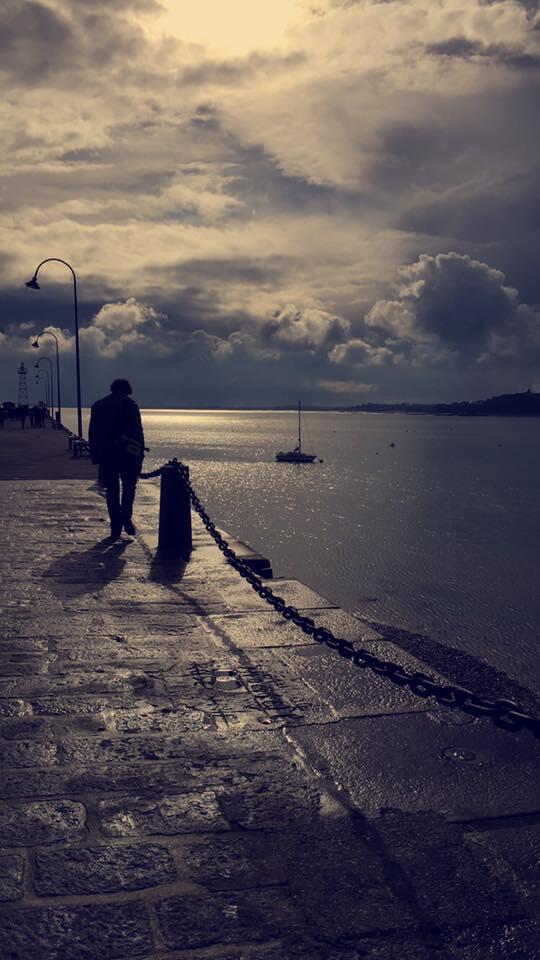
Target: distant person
pixel 22 413
pixel 2 418
pixel 117 445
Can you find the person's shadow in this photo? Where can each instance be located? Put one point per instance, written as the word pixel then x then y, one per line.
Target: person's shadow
pixel 87 571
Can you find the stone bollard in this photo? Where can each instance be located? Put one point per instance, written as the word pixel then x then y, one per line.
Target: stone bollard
pixel 174 513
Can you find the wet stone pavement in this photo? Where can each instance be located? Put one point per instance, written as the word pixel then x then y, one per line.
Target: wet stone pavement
pixel 186 775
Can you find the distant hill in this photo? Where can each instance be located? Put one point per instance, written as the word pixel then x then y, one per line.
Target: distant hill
pixel 506 405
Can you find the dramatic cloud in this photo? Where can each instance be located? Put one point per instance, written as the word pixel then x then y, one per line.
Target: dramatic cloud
pixel 118 327
pixel 238 212
pixel 449 310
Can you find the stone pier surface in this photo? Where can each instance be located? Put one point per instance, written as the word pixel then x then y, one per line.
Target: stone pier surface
pixel 186 775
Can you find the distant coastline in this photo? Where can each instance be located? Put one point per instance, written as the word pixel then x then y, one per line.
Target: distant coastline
pixel 506 405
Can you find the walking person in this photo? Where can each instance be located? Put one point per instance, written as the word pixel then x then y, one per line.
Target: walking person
pixel 117 445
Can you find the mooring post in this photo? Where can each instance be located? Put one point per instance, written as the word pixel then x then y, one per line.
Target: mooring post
pixel 174 512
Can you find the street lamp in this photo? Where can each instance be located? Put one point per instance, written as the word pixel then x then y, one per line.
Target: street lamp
pixel 47 384
pixel 35 344
pixel 50 378
pixel 34 285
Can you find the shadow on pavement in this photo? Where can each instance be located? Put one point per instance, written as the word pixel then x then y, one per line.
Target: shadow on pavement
pixel 88 570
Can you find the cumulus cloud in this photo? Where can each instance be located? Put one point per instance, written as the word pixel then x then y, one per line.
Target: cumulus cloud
pixel 451 307
pixel 308 329
pixel 216 188
pixel 118 327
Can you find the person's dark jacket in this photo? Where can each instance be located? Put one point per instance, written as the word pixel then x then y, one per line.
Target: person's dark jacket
pixel 113 419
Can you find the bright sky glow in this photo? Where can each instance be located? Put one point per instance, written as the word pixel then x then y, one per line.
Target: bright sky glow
pixel 230 27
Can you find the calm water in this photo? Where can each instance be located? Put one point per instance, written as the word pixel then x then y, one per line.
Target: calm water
pixel 438 534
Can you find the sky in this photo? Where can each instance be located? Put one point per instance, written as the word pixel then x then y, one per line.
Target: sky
pixel 332 200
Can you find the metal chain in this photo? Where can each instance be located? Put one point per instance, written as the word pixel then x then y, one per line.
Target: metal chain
pixel 504 713
pixel 151 474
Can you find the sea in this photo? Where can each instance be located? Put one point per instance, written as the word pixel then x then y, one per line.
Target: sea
pixel 428 524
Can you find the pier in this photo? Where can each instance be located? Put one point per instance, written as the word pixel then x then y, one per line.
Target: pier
pixel 186 774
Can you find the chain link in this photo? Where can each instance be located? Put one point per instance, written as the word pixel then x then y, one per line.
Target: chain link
pixel 505 714
pixel 151 474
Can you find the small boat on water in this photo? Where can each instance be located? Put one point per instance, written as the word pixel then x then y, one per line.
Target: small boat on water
pixel 296 455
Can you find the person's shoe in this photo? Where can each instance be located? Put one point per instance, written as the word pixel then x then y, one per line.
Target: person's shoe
pixel 129 527
pixel 116 531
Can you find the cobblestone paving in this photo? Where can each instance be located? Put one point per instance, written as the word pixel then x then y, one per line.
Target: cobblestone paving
pixel 177 779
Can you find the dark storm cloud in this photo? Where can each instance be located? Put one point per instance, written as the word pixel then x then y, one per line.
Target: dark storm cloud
pixel 31 37
pixel 254 270
pixel 465 48
pixel 257 180
pixel 532 6
pixel 452 306
pixel 502 217
pixel 39 42
pixel 239 69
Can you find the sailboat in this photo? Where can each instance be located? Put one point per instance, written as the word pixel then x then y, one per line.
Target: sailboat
pixel 296 455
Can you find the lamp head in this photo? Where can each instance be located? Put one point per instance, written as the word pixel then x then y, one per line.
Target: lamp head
pixel 33 284
pixel 35 344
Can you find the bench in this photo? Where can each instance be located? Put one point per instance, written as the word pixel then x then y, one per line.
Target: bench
pixel 79 447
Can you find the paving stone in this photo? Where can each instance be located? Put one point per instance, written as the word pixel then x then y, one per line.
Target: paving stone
pixel 233 861
pixel 25 824
pixel 27 753
pixel 14 708
pixel 292 948
pixel 508 941
pixel 30 644
pixel 424 762
pixel 451 883
pixel 77 682
pixel 168 721
pixel 11 877
pixel 62 706
pixel 191 921
pixel 196 744
pixel 273 800
pixel 103 869
pixel 511 853
pixel 20 665
pixel 36 727
pixel 192 773
pixel 97 932
pixel 140 817
pixel 268 629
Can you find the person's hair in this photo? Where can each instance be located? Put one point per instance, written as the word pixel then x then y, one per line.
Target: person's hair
pixel 121 386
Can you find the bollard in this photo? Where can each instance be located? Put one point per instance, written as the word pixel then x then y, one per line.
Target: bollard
pixel 174 513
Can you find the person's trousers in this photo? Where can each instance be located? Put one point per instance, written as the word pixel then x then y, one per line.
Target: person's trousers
pixel 120 477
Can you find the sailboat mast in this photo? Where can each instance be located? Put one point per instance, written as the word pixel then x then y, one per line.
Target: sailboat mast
pixel 299 430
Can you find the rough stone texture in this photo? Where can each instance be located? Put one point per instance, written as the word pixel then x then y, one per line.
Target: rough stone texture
pixel 140 817
pixel 97 932
pixel 450 879
pixel 103 869
pixel 41 822
pixel 191 921
pixel 27 753
pixel 148 698
pixel 423 762
pixel 11 877
pixel 168 721
pixel 511 851
pixel 234 861
pixel 13 708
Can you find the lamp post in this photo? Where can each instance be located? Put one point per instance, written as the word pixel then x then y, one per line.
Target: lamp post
pixel 35 344
pixel 34 285
pixel 50 377
pixel 47 384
